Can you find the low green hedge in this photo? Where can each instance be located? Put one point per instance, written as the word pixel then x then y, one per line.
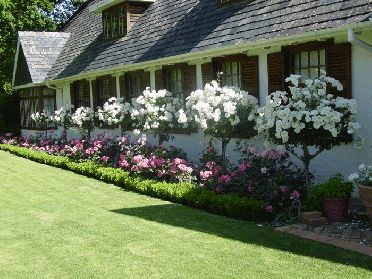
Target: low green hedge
pixel 230 205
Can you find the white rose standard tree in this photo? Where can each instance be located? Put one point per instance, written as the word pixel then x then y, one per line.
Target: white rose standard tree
pixel 83 120
pixel 116 112
pixel 157 112
pixel 223 112
pixel 63 118
pixel 42 120
pixel 308 120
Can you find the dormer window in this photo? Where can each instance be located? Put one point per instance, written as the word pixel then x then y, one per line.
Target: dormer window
pixel 119 16
pixel 115 21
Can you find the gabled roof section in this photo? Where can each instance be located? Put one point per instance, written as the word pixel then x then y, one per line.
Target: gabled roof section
pixel 37 53
pixel 170 28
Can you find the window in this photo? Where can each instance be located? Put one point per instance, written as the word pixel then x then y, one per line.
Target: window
pixel 308 59
pixel 105 88
pixel 133 85
pixel 33 100
pixel 80 94
pixel 231 74
pixel 308 64
pixel 174 82
pixel 115 22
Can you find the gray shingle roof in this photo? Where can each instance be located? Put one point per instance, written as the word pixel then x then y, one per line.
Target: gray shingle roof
pixel 171 28
pixel 41 50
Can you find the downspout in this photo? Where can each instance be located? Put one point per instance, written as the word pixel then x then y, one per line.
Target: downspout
pixel 352 38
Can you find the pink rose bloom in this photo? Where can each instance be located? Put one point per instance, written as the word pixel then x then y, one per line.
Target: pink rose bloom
pixel 144 164
pixel 210 165
pixel 185 169
pixel 269 209
pixel 224 179
pixel 156 162
pixel 284 189
pixel 89 151
pixel 204 175
pixel 104 159
pixel 123 163
pixel 178 161
pixel 295 195
pixel 134 168
pixel 137 159
pixel 243 167
pixel 217 170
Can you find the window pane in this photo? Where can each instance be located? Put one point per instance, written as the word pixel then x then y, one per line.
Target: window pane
pixel 305 74
pixel 314 73
pixel 304 59
pixel 314 59
pixel 296 59
pixel 322 57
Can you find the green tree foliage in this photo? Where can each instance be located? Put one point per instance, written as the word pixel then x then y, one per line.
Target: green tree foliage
pixel 25 15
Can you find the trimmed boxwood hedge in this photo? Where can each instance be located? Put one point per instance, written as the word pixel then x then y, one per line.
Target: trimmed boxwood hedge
pixel 230 205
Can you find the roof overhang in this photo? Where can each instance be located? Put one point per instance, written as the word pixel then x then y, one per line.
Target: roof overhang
pixel 29 85
pixel 243 47
pixel 105 4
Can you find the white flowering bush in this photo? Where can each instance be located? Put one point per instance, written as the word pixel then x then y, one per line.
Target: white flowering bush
pixel 223 112
pixel 157 112
pixel 42 120
pixel 83 120
pixel 115 112
pixel 363 176
pixel 63 118
pixel 308 117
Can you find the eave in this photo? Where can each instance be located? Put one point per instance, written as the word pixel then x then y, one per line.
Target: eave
pixel 103 5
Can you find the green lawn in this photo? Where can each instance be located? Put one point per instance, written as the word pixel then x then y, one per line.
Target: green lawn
pixel 57 224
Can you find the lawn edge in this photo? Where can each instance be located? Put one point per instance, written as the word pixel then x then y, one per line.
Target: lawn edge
pixel 229 205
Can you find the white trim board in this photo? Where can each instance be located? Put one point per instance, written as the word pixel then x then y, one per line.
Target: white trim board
pixel 103 5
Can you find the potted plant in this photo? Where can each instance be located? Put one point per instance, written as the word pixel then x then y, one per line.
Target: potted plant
pixel 333 197
pixel 363 178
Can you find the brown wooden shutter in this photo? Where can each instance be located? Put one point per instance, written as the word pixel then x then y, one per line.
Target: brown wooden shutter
pixel 275 70
pixel 159 80
pixel 339 67
pixel 249 67
pixel 207 73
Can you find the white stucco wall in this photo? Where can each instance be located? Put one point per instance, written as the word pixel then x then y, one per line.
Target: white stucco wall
pixel 344 159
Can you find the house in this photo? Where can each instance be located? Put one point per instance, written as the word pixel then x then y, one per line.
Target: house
pixel 119 47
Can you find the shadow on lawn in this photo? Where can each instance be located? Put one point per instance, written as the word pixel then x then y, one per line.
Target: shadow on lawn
pixel 189 218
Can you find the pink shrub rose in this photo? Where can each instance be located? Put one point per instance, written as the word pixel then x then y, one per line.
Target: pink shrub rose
pixel 205 175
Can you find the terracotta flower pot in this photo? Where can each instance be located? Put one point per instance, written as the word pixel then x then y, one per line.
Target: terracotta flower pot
pixel 366 196
pixel 335 209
